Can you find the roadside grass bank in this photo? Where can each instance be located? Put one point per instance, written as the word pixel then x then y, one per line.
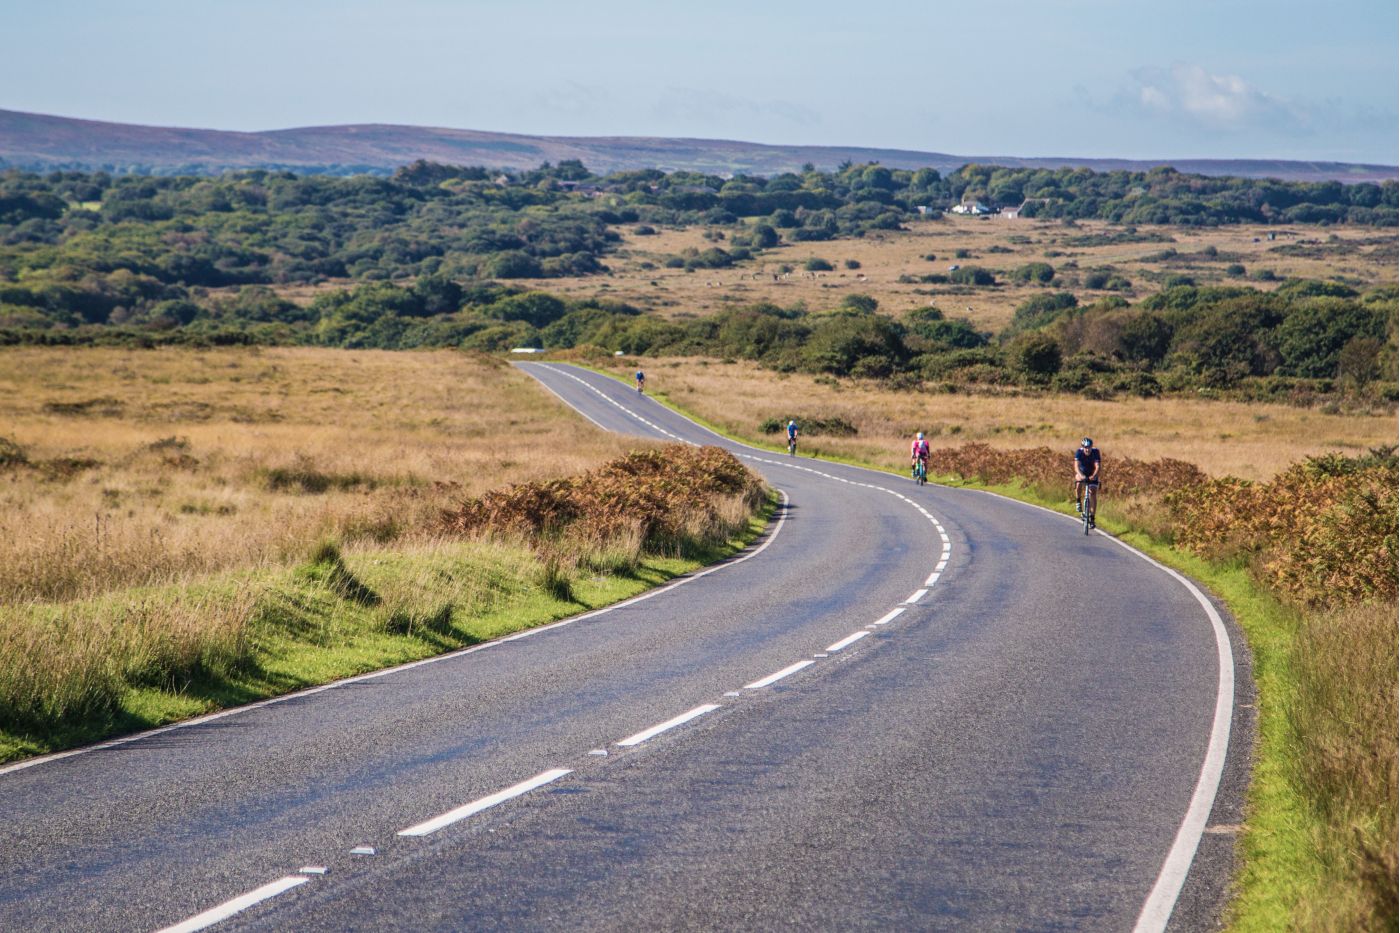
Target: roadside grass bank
pixel 77 671
pixel 1306 564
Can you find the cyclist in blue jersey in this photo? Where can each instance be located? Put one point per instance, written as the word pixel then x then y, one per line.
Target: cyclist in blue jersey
pixel 792 437
pixel 1087 463
pixel 641 380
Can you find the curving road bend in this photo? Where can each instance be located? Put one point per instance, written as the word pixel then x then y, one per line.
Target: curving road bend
pixel 904 708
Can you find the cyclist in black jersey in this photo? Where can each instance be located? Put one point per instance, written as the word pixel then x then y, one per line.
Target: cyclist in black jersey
pixel 1087 463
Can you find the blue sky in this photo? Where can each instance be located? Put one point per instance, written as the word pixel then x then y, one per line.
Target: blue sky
pixel 1191 78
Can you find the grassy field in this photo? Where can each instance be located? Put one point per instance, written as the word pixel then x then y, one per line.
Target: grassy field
pixel 1361 257
pixel 1252 441
pixel 185 530
pixel 132 467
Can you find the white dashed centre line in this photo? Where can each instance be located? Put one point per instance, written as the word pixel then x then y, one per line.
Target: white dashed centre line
pixel 241 903
pixel 889 616
pixel 917 595
pixel 484 803
pixel 848 640
pixel 680 720
pixel 778 675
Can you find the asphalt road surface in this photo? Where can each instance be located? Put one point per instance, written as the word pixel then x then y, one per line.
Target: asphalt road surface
pixel 904 708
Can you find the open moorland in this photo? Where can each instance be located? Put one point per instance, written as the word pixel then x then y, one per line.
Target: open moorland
pixel 128 467
pixel 890 266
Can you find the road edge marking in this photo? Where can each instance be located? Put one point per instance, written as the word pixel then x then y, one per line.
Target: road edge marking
pixel 1161 900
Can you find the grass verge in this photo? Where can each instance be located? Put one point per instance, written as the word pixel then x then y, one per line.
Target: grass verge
pixel 338 615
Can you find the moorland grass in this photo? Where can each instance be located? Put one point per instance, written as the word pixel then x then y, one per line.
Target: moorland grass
pixel 202 462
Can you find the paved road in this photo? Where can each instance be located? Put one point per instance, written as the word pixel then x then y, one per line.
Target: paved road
pixel 904 708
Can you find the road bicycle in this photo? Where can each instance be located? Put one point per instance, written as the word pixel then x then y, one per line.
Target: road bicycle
pixel 792 447
pixel 920 471
pixel 1088 505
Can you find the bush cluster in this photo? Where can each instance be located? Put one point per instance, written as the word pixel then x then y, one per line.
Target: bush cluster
pixel 669 500
pixel 1323 531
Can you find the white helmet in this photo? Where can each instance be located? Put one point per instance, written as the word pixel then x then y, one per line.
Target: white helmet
pixel 921 435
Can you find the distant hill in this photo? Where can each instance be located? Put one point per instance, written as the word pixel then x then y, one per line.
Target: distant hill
pixel 41 142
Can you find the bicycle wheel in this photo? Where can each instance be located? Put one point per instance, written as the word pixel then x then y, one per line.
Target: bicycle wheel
pixel 1088 512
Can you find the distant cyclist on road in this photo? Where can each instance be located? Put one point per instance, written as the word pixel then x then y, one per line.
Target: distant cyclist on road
pixel 918 452
pixel 1087 463
pixel 792 437
pixel 641 380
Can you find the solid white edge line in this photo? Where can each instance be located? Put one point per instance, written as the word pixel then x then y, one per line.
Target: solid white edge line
pixel 449 656
pixel 659 728
pixel 238 904
pixel 917 595
pixel 1161 900
pixel 848 641
pixel 889 616
pixel 778 675
pixel 484 803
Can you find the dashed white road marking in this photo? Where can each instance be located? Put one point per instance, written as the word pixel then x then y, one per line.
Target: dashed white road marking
pixel 889 616
pixel 917 595
pixel 848 640
pixel 940 566
pixel 238 904
pixel 932 578
pixel 484 803
pixel 680 720
pixel 778 675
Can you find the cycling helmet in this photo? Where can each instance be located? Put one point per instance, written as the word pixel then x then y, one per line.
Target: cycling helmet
pixel 792 424
pixel 921 435
pixel 1087 442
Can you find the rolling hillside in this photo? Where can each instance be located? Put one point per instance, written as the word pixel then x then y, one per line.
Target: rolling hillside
pixel 43 142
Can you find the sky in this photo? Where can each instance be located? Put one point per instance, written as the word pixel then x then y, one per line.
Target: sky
pixel 1078 78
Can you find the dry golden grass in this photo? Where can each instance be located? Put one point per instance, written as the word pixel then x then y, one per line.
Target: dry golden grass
pixel 1249 440
pixel 1363 255
pixel 176 463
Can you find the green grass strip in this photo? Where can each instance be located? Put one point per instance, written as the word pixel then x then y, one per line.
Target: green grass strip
pixel 350 614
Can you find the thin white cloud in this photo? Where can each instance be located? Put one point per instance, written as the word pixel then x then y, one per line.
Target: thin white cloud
pixel 1218 101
